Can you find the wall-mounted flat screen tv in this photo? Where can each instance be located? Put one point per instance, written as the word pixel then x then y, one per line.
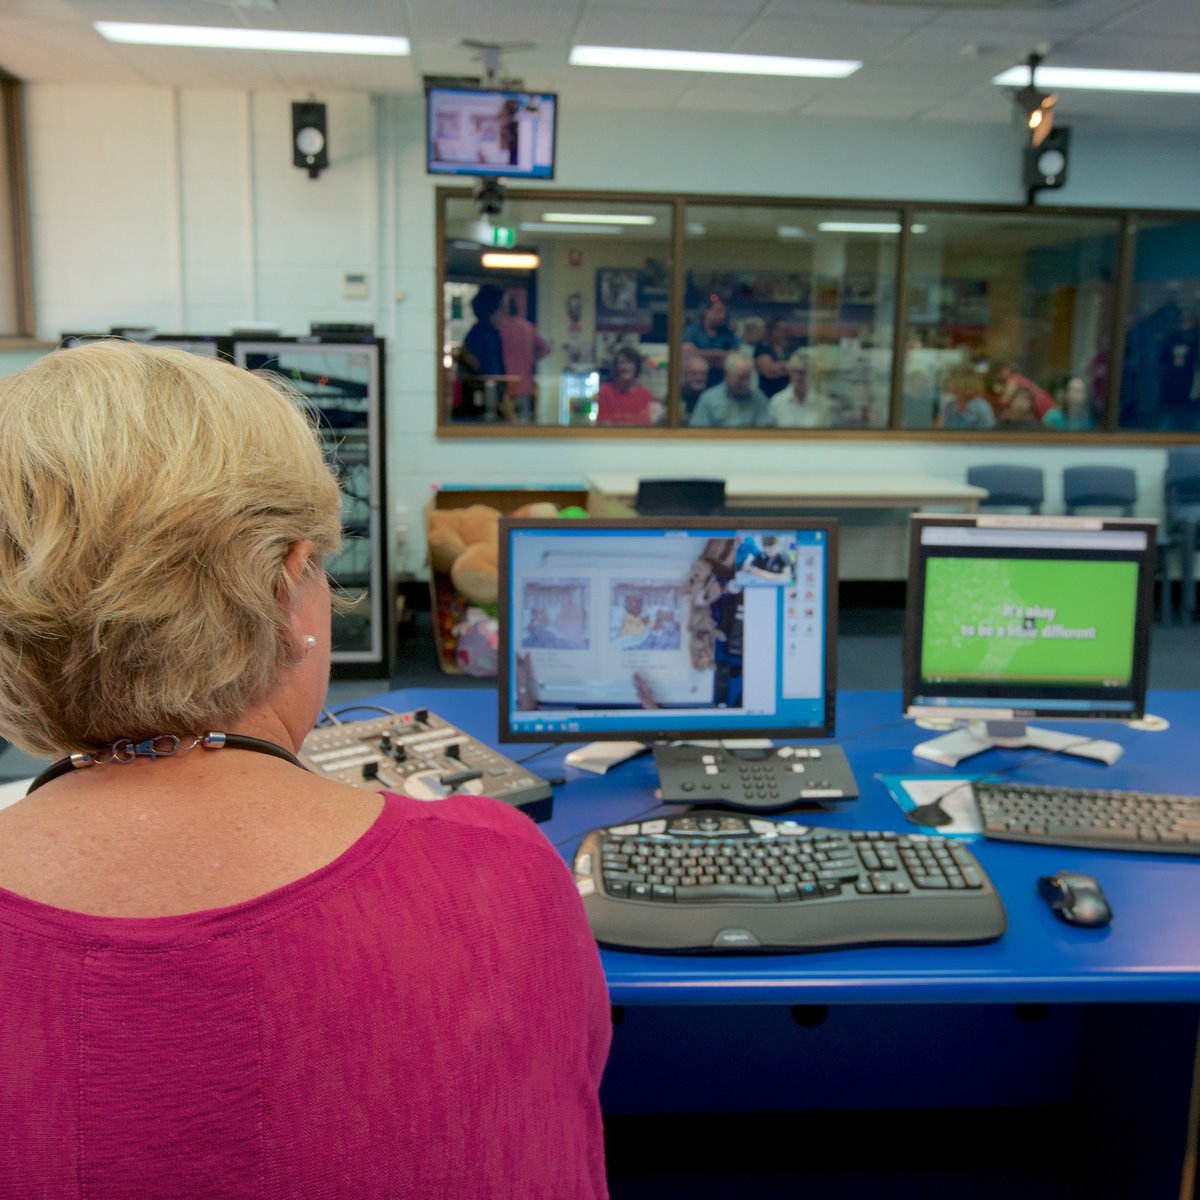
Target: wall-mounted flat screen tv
pixel 473 131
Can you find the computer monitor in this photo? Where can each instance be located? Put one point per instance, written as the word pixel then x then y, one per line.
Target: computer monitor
pixel 478 131
pixel 664 628
pixel 1015 618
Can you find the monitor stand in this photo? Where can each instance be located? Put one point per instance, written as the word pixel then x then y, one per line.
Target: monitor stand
pixel 977 736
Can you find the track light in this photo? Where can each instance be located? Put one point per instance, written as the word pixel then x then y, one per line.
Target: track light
pixel 1036 106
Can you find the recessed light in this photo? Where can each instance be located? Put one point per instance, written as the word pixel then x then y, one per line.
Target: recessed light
pixel 597 218
pixel 250 39
pixel 564 227
pixel 710 61
pixel 501 261
pixel 1103 80
pixel 866 227
pixel 791 231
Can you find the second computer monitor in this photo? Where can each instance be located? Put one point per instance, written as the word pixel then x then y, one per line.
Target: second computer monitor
pixel 653 629
pixel 1015 618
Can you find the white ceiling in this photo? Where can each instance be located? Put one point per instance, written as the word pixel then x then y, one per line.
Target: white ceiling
pixel 922 61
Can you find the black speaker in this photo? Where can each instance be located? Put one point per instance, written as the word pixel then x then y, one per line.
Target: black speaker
pixel 1046 165
pixel 310 146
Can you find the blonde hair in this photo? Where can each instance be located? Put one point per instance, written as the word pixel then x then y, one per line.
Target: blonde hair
pixel 148 501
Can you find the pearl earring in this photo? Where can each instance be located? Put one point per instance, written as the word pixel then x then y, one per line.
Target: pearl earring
pixel 310 642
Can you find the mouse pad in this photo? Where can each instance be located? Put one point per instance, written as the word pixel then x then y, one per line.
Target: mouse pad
pixel 954 795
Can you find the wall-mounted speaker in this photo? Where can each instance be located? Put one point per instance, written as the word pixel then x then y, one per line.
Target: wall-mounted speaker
pixel 1046 163
pixel 310 145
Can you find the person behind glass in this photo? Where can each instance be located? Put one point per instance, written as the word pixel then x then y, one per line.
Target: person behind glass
pixel 711 338
pixel 1002 379
pixel 733 403
pixel 963 406
pixel 800 406
pixel 523 347
pixel 219 953
pixel 481 361
pixel 1074 410
pixel 771 357
pixel 1018 416
pixel 622 400
pixel 695 383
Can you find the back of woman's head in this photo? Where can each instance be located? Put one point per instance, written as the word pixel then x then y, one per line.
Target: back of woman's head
pixel 148 501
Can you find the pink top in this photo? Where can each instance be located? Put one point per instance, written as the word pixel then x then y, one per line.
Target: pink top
pixel 615 407
pixel 423 1017
pixel 523 346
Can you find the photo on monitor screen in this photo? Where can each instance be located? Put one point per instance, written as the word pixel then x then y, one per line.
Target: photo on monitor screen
pixel 651 628
pixel 496 133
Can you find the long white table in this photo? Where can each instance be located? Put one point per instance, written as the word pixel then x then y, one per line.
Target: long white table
pixel 803 490
pixel 870 548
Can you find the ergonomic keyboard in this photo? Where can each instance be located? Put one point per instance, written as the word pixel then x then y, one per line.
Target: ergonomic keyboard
pixel 1088 818
pixel 719 882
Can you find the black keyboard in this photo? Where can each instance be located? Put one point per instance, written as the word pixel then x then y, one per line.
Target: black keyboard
pixel 716 882
pixel 1090 819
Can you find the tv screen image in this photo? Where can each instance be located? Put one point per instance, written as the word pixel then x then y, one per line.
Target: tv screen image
pixel 1012 618
pixel 666 628
pixel 494 133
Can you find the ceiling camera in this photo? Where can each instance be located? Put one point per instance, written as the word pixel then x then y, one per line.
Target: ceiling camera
pixel 489 197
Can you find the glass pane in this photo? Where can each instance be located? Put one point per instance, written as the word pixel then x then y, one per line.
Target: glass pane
pixel 789 316
pixel 574 332
pixel 1008 318
pixel 1160 387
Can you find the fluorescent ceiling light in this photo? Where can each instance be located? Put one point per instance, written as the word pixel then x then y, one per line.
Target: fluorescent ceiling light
pixel 250 39
pixel 704 60
pixel 597 218
pixel 1103 80
pixel 543 227
pixel 791 231
pixel 865 227
pixel 501 260
pixel 696 229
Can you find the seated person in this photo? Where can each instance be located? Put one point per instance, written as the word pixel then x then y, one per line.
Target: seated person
pixel 226 976
pixel 1073 411
pixel 771 357
pixel 711 338
pixel 963 407
pixel 799 406
pixel 622 400
pixel 734 403
pixel 1019 413
pixel 1003 379
pixel 695 383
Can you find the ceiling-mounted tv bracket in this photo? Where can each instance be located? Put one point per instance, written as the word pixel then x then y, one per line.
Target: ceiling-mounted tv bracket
pixel 489 54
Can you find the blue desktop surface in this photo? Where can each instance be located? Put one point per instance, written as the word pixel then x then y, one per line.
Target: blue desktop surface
pixel 1150 952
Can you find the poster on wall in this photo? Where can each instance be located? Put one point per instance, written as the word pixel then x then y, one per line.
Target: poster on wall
pixel 620 306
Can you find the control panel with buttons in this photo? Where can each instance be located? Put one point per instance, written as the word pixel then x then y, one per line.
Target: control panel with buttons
pixel 419 754
pixel 759 780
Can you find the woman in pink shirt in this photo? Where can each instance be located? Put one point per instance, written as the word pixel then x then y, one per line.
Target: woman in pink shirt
pixel 223 976
pixel 622 400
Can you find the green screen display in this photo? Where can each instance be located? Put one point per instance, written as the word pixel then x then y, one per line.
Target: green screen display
pixel 1031 621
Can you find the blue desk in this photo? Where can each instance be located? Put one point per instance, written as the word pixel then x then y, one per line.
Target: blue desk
pixel 1048 1015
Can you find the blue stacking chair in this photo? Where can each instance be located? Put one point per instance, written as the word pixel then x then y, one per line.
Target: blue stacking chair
pixel 1009 486
pixel 1090 487
pixel 1181 502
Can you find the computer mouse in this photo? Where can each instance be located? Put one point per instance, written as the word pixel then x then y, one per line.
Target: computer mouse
pixel 1078 899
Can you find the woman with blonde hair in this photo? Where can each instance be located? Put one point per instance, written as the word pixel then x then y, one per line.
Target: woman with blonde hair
pixel 225 976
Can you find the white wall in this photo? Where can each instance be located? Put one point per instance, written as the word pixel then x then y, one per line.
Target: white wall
pixel 181 209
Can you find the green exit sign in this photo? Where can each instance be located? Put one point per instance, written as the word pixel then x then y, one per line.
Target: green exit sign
pixel 503 237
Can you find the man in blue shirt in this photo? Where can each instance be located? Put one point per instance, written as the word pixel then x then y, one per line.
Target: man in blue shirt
pixel 735 403
pixel 711 338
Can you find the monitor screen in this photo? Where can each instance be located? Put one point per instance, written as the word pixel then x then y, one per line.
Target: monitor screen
pixel 471 131
pixel 654 629
pixel 1018 617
